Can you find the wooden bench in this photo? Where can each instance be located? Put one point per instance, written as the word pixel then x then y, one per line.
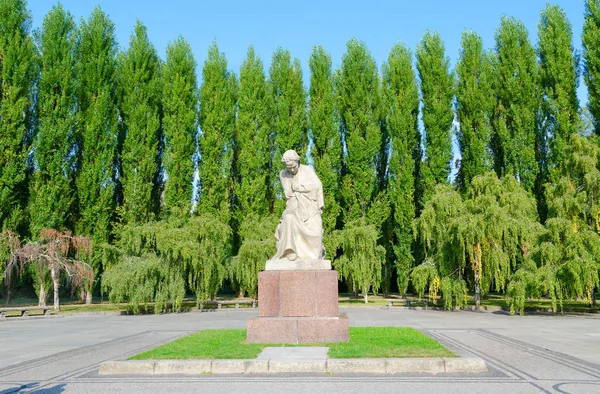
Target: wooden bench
pixel 406 302
pixel 24 310
pixel 237 303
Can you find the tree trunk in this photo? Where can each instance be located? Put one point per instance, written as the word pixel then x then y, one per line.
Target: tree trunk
pixel 54 275
pixel 594 295
pixel 88 297
pixel 477 267
pixel 366 294
pixel 43 295
pixel 477 291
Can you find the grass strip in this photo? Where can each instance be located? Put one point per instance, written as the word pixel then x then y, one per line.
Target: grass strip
pixel 365 342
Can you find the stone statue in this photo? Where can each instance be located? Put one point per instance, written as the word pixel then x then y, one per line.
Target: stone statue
pixel 300 231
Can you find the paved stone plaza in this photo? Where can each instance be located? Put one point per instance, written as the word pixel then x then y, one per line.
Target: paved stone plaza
pixel 530 354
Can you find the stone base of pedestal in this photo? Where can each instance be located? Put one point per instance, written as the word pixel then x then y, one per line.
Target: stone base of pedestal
pixel 298 329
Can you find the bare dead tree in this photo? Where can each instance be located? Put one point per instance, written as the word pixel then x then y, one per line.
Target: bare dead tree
pixel 56 252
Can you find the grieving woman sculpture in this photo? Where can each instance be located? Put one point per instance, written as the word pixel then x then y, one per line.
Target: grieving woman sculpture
pixel 300 231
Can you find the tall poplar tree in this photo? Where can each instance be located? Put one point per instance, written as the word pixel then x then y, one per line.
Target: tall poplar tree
pixel 517 101
pixel 365 208
pixel 358 100
pixel 290 130
pixel 141 111
pixel 52 192
pixel 253 199
pixel 401 109
pixel 437 92
pixel 180 122
pixel 591 55
pixel 98 119
pixel 327 150
pixel 217 122
pixel 18 70
pixel 475 102
pixel 253 190
pixel 558 80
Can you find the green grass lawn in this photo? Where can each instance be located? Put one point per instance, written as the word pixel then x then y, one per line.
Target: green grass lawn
pixel 366 342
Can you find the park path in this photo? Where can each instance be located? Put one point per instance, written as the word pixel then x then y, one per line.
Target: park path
pixel 530 354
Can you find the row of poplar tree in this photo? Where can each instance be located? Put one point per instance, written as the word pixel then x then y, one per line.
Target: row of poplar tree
pixel 105 144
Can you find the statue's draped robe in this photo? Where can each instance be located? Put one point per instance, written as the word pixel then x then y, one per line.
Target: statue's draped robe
pixel 300 229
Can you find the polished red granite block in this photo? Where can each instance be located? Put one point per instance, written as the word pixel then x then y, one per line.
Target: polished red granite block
pixel 327 293
pixel 298 330
pixel 298 306
pixel 268 293
pixel 272 330
pixel 297 293
pixel 324 329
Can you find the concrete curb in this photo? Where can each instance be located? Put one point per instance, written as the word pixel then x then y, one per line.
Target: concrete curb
pixel 274 366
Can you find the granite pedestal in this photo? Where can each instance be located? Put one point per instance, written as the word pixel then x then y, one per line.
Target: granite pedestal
pixel 297 306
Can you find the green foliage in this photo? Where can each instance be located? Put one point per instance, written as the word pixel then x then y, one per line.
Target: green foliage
pixel 422 276
pixel 358 99
pixel 252 155
pixel 98 119
pixel 564 264
pixel 52 190
pixel 18 74
pixel 558 81
pixel 258 245
pixel 141 111
pixel 140 280
pixel 290 130
pixel 432 228
pixel 475 103
pixel 360 259
pixel 207 266
pixel 198 247
pixel 327 150
pixel 437 92
pixel 217 122
pixel 517 101
pixel 401 112
pixel 572 255
pixel 180 122
pixel 454 293
pixel 482 239
pixel 499 223
pixel 591 54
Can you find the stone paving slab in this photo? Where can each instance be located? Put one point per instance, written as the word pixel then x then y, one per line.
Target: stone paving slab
pixel 63 355
pixel 279 365
pixel 293 353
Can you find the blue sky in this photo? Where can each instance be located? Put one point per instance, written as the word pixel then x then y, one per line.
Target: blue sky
pixel 299 25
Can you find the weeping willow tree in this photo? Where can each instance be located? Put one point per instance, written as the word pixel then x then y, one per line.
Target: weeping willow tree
pixel 169 252
pixel 140 280
pixel 432 230
pixel 361 260
pixel 258 245
pixel 479 241
pixel 566 263
pixel 493 234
